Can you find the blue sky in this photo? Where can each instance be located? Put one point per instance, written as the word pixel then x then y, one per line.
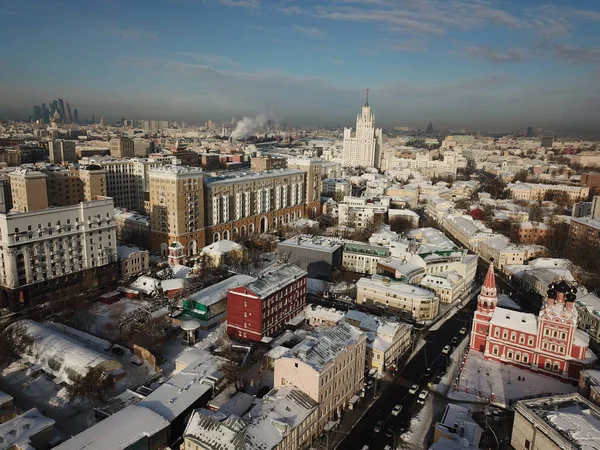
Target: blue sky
pixel 473 64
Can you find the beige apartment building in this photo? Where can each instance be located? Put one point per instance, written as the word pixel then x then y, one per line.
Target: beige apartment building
pixel 61 151
pixel 237 205
pixel 132 260
pixel 536 191
pixel 386 340
pixel 176 212
pixel 396 297
pixel 122 148
pixel 328 366
pixel 29 190
pixel 267 162
pixel 314 176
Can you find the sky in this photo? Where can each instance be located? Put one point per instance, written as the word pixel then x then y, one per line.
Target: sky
pixel 474 64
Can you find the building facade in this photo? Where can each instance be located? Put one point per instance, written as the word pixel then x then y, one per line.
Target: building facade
pixel 314 175
pixel 238 205
pixel 61 151
pixel 549 343
pixel 122 148
pixel 262 308
pixel 364 147
pixel 28 189
pixel 57 249
pixel 176 213
pixel 363 258
pixel 329 366
pixel 132 261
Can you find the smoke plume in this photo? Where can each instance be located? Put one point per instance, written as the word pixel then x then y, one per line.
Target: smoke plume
pixel 248 126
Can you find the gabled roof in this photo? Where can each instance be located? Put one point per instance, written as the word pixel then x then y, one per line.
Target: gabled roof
pixel 490 278
pixel 275 278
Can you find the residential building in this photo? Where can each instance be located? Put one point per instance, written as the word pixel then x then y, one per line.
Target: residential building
pixel 29 190
pixel 360 212
pixel 319 256
pixel 267 162
pixel 533 232
pixel 93 180
pixel 387 340
pixel 122 148
pixel 470 233
pixel 237 205
pixel 143 147
pixel 336 188
pixel 218 253
pixel 176 213
pixel 549 343
pixel 286 418
pixel 314 174
pixel 584 232
pixel 595 209
pixel 583 209
pixel 57 252
pixel 588 308
pixel 209 305
pixel 591 180
pixel 132 260
pixel 456 425
pixel 501 251
pixel 30 430
pixel 586 159
pixel 555 423
pixel 262 308
pixel 363 258
pixel 317 316
pixel 329 366
pixel 62 151
pixel 399 298
pixel 364 147
pixel 132 227
pixel 532 191
pixel 589 385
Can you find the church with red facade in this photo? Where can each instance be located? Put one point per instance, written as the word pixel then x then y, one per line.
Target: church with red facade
pixel 549 343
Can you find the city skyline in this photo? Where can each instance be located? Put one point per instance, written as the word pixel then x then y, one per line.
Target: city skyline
pixel 476 65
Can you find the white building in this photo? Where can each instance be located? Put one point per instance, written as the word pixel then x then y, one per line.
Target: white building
pixel 364 147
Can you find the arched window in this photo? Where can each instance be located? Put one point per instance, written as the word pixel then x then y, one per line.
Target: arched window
pixel 495 351
pixel 521 339
pixel 517 356
pixel 530 342
pixel 510 354
pixel 556 367
pixel 525 358
pixel 548 365
pixel 485 305
pixel 216 237
pixel 505 335
pixel 553 347
pixel 555 334
pixel 513 337
pixel 563 335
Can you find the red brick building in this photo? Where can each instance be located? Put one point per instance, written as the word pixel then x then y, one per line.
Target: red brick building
pixel 549 343
pixel 533 233
pixel 262 308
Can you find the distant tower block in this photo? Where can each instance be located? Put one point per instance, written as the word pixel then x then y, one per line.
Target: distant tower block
pixel 176 254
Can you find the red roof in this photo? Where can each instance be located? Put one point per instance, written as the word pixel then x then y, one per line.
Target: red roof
pixel 490 278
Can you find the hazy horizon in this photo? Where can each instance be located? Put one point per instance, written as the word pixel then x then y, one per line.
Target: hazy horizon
pixel 478 65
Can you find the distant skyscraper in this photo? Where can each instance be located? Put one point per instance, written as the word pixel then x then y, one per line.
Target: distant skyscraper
pixel 53 107
pixel 429 129
pixel 75 116
pixel 45 113
pixel 61 109
pixel 69 116
pixel 529 131
pixel 37 113
pixel 364 148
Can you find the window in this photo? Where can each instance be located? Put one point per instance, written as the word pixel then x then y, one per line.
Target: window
pixel 527 444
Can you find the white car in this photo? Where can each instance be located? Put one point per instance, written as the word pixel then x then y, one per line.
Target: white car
pixel 396 410
pixel 463 330
pixel 446 350
pixel 423 396
pixel 413 389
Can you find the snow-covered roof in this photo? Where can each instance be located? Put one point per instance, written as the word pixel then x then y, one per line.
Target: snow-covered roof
pixel 173 284
pixel 145 285
pixel 60 354
pixel 402 289
pixel 325 244
pixel 277 352
pixel 275 278
pixel 323 347
pixel 226 177
pixel 118 431
pixel 385 329
pixel 217 292
pixel 237 405
pixel 319 312
pixel 19 430
pixel 514 320
pixel 125 251
pixel 221 247
pixel 212 434
pixel 5 398
pixel 181 271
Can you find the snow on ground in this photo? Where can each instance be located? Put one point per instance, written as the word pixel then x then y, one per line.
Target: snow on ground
pixel 480 378
pixel 103 315
pixel 418 434
pixel 457 306
pixel 455 358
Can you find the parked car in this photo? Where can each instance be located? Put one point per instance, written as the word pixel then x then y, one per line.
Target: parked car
pixel 370 384
pixel 379 426
pixel 428 371
pixel 413 389
pixel 446 350
pixel 454 340
pixel 463 330
pixel 396 410
pixel 423 396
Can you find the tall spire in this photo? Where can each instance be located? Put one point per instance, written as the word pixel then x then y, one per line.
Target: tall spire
pixel 367 102
pixel 490 279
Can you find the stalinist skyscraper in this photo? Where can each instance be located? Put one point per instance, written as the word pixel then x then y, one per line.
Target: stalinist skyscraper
pixel 364 148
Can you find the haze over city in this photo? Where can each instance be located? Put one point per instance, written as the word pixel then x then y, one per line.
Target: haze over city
pixel 462 64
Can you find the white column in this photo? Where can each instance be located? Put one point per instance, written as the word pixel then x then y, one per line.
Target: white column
pixel 248 207
pixel 239 205
pixel 216 210
pixel 225 212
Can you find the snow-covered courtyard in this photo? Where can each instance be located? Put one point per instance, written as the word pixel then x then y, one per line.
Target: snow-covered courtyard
pixel 481 380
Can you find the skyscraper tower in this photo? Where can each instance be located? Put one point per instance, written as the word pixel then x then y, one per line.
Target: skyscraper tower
pixel 75 116
pixel 53 107
pixel 364 148
pixel 429 129
pixel 61 109
pixel 529 131
pixel 37 113
pixel 69 117
pixel 45 113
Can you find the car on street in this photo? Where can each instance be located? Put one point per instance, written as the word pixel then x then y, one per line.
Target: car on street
pixel 446 350
pixel 454 340
pixel 370 384
pixel 379 426
pixel 396 410
pixel 428 371
pixel 423 396
pixel 413 389
pixel 463 330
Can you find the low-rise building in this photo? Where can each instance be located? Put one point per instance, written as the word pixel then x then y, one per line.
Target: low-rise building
pixel 532 191
pixel 132 260
pixel 448 286
pixel 584 232
pixel 456 425
pixel 363 258
pixel 589 385
pixel 317 316
pixel 499 250
pixel 262 308
pixel 328 366
pixel 132 227
pixel 588 307
pixel 222 252
pixel 336 188
pixel 533 232
pixel 30 430
pixel 555 423
pixel 386 340
pixel 407 300
pixel 319 256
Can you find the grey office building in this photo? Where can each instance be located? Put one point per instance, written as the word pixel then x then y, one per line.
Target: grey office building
pixel 319 256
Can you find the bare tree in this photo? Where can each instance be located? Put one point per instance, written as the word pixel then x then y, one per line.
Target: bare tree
pixel 234 373
pixel 15 340
pixel 400 224
pixel 94 385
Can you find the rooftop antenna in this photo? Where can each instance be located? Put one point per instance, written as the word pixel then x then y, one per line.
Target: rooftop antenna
pixel 367 102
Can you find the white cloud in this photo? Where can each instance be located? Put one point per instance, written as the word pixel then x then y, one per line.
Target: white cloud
pixel 310 31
